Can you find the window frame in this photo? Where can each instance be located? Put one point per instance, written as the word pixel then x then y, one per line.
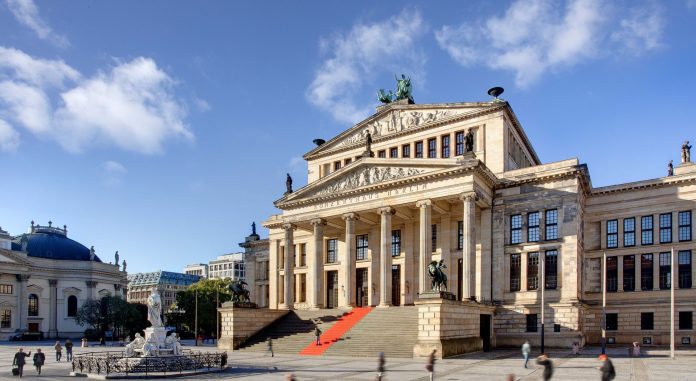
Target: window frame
pixel 533 271
pixel 667 230
pixel 533 226
pixel 515 272
pixel 5 318
pixel 535 326
pixel 433 237
pixel 629 277
pixel 551 269
pixel 362 244
pixel 647 272
pixel 682 322
pixel 551 228
pixel 394 152
pixel 644 230
pixel 647 321
pixel 71 309
pixel 445 146
pixel 330 250
pixel 382 154
pixel 418 150
pixel 629 233
pixel 432 148
pixel 460 235
pixel 406 151
pixel 6 289
pixel 665 270
pixel 515 229
pixel 396 243
pixel 459 143
pixel 684 225
pixel 337 165
pixel 612 317
pixel 684 263
pixel 612 233
pixel 32 305
pixel 612 274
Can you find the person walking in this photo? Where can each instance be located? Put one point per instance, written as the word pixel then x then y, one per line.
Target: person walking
pixel 526 349
pixel 430 366
pixel 39 360
pixel 269 347
pixel 59 350
pixel 317 333
pixel 544 361
pixel 607 369
pixel 68 349
pixel 380 366
pixel 20 358
pixel 636 349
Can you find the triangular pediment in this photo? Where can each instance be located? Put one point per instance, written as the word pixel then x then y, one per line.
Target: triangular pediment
pixel 11 257
pixel 368 173
pixel 398 119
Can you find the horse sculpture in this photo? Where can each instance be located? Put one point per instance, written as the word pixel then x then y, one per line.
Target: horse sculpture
pixel 437 276
pixel 239 293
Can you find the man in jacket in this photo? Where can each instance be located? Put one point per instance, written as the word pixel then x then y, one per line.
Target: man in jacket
pixel 544 361
pixel 39 360
pixel 526 348
pixel 68 349
pixel 20 358
pixel 607 369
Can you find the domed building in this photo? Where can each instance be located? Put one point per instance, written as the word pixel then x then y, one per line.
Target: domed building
pixel 45 277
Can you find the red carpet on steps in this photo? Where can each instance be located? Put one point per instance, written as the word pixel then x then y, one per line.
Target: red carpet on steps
pixel 343 325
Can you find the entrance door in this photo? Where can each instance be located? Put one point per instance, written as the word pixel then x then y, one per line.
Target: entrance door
pixel 460 264
pixel 396 285
pixel 331 289
pixel 485 332
pixel 33 327
pixel 361 285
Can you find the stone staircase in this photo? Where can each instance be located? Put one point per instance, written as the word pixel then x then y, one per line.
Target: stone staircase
pixel 392 330
pixel 293 332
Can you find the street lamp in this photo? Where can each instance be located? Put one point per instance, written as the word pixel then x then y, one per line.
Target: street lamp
pixel 195 329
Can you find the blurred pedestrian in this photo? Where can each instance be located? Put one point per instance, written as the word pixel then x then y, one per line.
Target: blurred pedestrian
pixel 575 348
pixel 68 349
pixel 526 349
pixel 636 349
pixel 380 366
pixel 607 369
pixel 20 358
pixel 59 350
pixel 317 333
pixel 430 366
pixel 544 361
pixel 290 377
pixel 39 360
pixel 269 346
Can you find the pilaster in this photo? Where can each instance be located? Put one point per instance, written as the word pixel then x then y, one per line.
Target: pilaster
pixel 289 261
pixel 316 281
pixel 347 275
pixel 385 258
pixel 424 242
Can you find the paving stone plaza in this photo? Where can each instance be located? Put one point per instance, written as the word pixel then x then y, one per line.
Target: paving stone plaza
pixel 496 365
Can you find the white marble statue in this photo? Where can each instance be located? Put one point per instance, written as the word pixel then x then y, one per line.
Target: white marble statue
pixel 151 348
pixel 154 309
pixel 172 342
pixel 137 343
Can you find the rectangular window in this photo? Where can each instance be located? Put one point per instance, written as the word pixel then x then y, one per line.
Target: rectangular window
pixel 6 319
pixel 612 274
pixel 406 150
pixel 347 161
pixel 459 143
pixel 666 228
pixel 396 243
pixel 532 322
pixel 612 234
pixel 646 321
pixel 612 322
pixel 445 146
pixel 629 231
pixel 646 230
pixel 382 154
pixel 419 150
pixel 337 165
pixel 551 224
pixel 684 259
pixel 394 152
pixel 515 272
pixel 303 255
pixel 432 148
pixel 331 251
pixel 532 271
pixel 551 269
pixel 361 247
pixel 629 272
pixel 646 272
pixel 460 235
pixel 665 271
pixel 516 229
pixel 6 289
pixel 533 227
pixel 686 320
pixel 433 237
pixel 685 226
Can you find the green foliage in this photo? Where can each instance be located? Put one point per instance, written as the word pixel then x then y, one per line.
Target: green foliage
pixel 89 314
pixel 207 308
pixel 111 313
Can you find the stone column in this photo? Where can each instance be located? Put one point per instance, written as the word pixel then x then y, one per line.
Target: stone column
pixel 289 261
pixel 408 278
pixel 317 266
pixel 385 257
pixel 424 243
pixel 22 302
pixel 348 262
pixel 469 244
pixel 446 247
pixel 53 308
pixel 273 273
pixel 91 285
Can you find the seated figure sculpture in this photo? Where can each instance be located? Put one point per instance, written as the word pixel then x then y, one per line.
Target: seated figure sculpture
pixel 134 345
pixel 151 348
pixel 172 342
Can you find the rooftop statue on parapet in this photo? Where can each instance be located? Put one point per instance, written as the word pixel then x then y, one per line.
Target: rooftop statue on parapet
pixel 288 184
pixel 670 168
pixel 686 152
pixel 403 91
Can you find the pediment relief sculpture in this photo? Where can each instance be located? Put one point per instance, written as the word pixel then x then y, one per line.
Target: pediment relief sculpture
pixel 71 291
pixel 366 176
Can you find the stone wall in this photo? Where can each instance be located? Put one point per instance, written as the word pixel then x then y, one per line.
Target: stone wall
pixel 510 325
pixel 239 324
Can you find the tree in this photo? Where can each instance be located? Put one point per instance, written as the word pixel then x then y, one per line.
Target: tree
pixel 207 308
pixel 112 313
pixel 89 314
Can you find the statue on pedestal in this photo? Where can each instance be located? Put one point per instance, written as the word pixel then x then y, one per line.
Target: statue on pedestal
pixel 288 184
pixel 116 257
pixel 172 342
pixel 686 152
pixel 137 343
pixel 151 348
pixel 154 309
pixel 670 169
pixel 438 277
pixel 368 144
pixel 239 293
pixel 469 141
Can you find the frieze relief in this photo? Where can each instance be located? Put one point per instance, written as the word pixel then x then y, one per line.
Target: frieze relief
pixel 366 177
pixel 396 121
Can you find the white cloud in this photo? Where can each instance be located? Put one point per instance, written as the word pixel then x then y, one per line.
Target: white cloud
pixel 9 137
pixel 536 36
pixel 27 14
pixel 691 4
pixel 356 55
pixel 132 105
pixel 112 173
pixel 201 104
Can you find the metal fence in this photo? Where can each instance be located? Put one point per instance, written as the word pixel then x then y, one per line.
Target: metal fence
pixel 116 362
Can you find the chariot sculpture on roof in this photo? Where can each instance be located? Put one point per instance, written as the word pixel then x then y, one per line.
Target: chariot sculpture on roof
pixel 403 91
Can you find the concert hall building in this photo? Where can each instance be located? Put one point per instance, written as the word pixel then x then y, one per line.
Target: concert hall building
pixel 504 223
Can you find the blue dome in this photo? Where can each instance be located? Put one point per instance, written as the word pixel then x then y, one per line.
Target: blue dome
pixel 51 245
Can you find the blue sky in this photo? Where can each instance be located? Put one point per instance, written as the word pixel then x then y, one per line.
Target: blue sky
pixel 162 129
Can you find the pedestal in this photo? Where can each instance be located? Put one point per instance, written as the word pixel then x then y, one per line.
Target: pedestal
pixel 160 333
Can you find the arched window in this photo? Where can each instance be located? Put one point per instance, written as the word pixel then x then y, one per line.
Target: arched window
pixel 33 305
pixel 72 306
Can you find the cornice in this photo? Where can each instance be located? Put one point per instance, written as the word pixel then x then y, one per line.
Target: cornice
pixel 645 184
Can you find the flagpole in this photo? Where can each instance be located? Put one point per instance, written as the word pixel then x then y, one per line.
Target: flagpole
pixel 542 260
pixel 673 274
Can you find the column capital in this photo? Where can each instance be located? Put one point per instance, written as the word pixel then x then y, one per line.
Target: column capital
pixel 53 282
pixel 469 196
pixel 386 210
pixel 22 277
pixel 350 217
pixel 288 226
pixel 423 203
pixel 91 283
pixel 318 222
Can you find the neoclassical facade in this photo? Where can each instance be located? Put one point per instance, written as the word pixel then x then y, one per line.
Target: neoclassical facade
pixel 404 187
pixel 45 277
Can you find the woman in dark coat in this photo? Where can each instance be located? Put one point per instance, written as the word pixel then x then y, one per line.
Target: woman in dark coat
pixel 39 360
pixel 544 361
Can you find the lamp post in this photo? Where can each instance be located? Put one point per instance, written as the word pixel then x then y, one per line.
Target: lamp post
pixel 673 275
pixel 542 264
pixel 603 321
pixel 195 333
pixel 217 313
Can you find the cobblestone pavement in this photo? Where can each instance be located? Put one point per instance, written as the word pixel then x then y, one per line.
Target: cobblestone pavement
pixel 497 365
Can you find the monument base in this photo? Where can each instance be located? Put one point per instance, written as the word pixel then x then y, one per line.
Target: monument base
pixel 160 333
pixel 437 295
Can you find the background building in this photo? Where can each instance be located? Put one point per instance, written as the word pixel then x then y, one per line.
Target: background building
pixel 228 266
pixel 257 268
pixel 200 269
pixel 45 277
pixel 168 284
